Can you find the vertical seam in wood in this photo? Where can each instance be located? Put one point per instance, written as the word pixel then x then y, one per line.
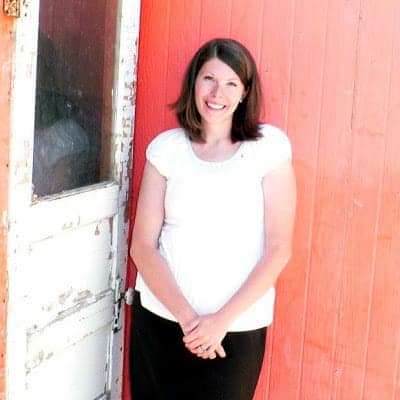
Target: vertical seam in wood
pixel 396 372
pixel 338 302
pixel 348 195
pixel 314 189
pixel 168 31
pixel 286 125
pixel 230 18
pixel 356 61
pixel 335 317
pixel 267 392
pixel 290 74
pixel 200 23
pixel 373 266
pixel 261 42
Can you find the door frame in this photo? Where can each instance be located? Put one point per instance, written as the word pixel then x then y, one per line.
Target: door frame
pixel 20 201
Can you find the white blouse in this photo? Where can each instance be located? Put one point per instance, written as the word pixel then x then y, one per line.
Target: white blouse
pixel 213 230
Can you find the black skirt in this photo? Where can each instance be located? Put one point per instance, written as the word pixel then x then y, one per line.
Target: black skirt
pixel 163 369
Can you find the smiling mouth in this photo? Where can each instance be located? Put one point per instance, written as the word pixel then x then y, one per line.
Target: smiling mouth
pixel 214 106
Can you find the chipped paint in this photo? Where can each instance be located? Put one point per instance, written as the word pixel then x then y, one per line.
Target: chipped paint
pixel 38 359
pixel 44 320
pixel 62 298
pixel 83 296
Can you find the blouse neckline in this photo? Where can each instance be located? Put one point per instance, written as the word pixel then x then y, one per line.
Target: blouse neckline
pixel 194 156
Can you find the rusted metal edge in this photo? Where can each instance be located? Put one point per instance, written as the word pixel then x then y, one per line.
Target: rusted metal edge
pixel 12 8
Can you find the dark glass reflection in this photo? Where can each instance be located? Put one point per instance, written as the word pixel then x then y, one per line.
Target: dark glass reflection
pixel 73 96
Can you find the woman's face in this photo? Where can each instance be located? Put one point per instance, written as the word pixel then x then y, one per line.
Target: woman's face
pixel 218 90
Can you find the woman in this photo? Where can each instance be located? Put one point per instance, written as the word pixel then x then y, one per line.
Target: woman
pixel 213 231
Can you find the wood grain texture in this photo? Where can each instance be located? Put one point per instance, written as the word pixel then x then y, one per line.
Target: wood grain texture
pixel 331 80
pixel 381 362
pixel 368 129
pixel 334 155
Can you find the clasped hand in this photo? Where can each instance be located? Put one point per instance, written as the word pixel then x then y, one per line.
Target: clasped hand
pixel 203 336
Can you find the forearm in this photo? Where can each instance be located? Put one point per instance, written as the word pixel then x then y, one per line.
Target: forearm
pixel 262 277
pixel 158 277
pixel 212 328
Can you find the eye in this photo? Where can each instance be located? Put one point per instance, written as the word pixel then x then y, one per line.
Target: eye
pixel 208 78
pixel 233 84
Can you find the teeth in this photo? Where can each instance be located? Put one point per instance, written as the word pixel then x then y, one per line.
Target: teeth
pixel 215 106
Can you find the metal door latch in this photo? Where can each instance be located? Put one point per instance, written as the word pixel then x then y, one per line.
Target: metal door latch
pixel 12 8
pixel 119 296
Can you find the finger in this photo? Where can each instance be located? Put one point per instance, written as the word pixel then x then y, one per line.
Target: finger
pixel 198 350
pixel 206 351
pixel 207 355
pixel 195 344
pixel 190 337
pixel 210 354
pixel 220 351
pixel 198 341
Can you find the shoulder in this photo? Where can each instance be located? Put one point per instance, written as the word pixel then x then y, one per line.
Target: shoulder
pixel 273 136
pixel 168 138
pixel 271 149
pixel 164 148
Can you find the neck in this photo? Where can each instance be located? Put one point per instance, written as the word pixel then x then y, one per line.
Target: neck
pixel 216 133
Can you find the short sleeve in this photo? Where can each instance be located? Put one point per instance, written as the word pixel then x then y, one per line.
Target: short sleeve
pixel 160 152
pixel 274 149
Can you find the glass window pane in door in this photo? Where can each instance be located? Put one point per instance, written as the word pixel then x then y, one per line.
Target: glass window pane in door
pixel 73 112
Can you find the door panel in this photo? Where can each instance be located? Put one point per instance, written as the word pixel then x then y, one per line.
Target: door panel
pixel 77 275
pixel 68 233
pixel 82 356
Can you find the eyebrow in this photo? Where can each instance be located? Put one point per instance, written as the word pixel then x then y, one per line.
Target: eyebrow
pixel 213 74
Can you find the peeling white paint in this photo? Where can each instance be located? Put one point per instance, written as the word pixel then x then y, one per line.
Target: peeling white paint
pixel 66 251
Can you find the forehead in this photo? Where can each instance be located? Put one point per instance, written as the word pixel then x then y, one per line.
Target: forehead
pixel 216 67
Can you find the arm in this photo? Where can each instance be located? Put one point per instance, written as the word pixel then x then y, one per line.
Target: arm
pixel 144 252
pixel 279 190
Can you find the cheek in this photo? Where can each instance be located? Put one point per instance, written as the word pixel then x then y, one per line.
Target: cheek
pixel 235 99
pixel 197 95
pixel 201 89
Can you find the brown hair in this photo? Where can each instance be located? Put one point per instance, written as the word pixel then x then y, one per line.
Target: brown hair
pixel 246 116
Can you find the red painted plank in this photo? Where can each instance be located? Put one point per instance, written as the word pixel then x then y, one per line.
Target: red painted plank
pixel 393 162
pixel 381 380
pixel 247 25
pixel 305 82
pixel 215 19
pixel 368 129
pixel 152 72
pixel 6 54
pixel 183 42
pixel 331 199
pixel 276 59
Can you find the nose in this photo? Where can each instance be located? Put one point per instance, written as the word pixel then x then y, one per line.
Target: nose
pixel 216 89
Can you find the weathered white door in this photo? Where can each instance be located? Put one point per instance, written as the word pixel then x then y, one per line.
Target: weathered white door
pixel 72 104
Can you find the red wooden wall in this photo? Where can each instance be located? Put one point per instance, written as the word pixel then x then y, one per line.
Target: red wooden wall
pixel 6 47
pixel 331 78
